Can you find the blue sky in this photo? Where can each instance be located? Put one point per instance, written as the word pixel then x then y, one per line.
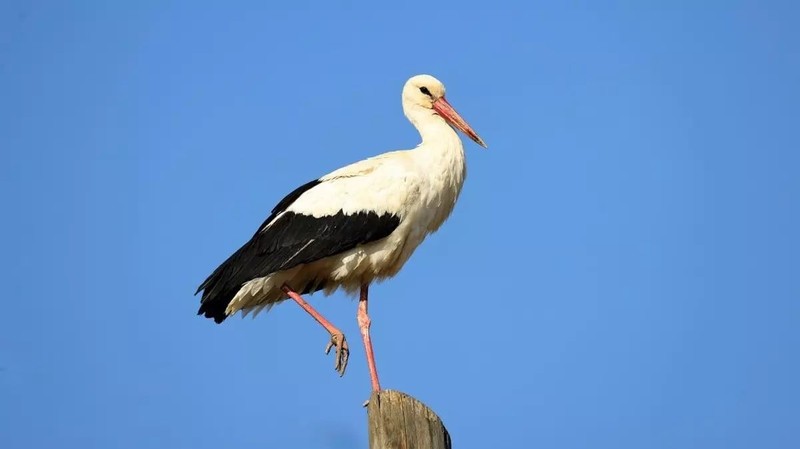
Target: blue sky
pixel 620 272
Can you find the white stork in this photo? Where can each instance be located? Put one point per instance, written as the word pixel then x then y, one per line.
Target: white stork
pixel 351 227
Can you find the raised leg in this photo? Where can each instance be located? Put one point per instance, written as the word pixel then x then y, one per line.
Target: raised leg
pixel 363 324
pixel 337 337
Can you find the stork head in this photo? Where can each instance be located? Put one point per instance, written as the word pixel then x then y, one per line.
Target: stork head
pixel 427 93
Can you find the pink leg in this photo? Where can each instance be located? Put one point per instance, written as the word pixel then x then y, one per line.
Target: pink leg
pixel 363 324
pixel 337 337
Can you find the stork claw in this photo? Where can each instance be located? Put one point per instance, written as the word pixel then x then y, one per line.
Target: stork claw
pixel 342 352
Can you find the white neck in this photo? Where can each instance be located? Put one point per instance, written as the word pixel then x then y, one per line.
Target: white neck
pixel 433 130
pixel 441 158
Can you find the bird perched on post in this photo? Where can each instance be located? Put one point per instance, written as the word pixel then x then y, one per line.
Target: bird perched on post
pixel 351 227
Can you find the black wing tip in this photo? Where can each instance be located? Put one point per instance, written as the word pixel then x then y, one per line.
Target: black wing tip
pixel 217 293
pixel 212 310
pixel 214 303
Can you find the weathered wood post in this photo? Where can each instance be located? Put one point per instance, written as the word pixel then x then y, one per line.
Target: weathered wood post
pixel 398 421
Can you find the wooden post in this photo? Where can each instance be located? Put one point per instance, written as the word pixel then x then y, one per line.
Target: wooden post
pixel 398 421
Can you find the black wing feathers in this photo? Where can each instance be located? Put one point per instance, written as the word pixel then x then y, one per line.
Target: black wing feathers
pixel 287 201
pixel 280 207
pixel 292 240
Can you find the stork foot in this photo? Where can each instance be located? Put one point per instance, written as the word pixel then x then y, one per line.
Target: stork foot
pixel 342 352
pixel 337 337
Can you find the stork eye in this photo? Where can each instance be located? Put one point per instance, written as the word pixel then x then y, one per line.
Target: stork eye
pixel 425 91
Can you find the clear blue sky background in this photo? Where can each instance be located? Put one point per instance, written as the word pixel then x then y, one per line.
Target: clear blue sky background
pixel 621 271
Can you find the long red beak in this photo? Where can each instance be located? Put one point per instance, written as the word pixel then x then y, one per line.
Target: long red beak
pixel 452 117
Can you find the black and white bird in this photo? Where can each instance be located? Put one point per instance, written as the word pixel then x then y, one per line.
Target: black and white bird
pixel 351 227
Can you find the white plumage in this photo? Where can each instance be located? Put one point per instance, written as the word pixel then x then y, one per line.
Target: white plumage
pixel 356 225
